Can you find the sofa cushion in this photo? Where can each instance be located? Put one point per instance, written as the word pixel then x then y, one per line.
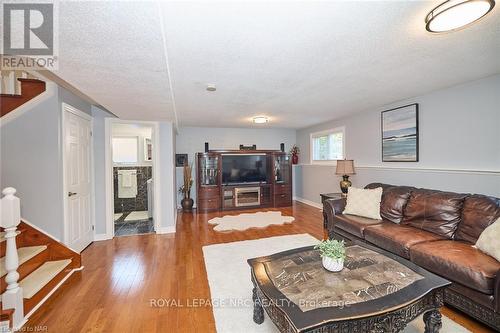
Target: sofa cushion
pixel 394 199
pixel 459 262
pixel 434 211
pixel 364 202
pixel 489 241
pixel 396 238
pixel 478 213
pixel 354 224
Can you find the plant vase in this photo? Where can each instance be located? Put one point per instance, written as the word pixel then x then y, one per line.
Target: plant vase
pixel 333 264
pixel 295 159
pixel 187 203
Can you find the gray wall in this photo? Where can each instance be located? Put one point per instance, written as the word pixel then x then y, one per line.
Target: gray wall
pixel 31 158
pixel 167 177
pixel 98 132
pixel 191 140
pixel 459 130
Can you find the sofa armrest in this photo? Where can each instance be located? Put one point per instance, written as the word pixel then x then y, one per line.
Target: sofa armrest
pixel 496 292
pixel 333 207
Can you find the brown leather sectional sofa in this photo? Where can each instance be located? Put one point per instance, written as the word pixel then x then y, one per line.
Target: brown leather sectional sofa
pixel 435 230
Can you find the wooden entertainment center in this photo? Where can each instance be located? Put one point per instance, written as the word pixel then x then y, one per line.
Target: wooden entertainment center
pixel 218 185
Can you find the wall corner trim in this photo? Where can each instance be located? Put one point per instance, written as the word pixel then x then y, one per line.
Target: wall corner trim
pixel 101 237
pixel 309 202
pixel 166 230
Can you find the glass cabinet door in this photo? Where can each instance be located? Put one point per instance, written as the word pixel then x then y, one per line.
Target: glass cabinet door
pixel 282 169
pixel 208 170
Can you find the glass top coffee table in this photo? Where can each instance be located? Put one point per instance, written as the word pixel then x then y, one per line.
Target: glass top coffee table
pixel 376 291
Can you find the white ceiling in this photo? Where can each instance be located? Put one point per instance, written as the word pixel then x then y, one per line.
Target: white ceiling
pixel 300 63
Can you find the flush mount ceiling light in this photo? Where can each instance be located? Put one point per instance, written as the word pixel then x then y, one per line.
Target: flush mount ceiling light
pixel 211 87
pixel 455 14
pixel 260 120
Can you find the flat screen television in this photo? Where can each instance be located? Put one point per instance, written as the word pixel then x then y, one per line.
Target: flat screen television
pixel 239 169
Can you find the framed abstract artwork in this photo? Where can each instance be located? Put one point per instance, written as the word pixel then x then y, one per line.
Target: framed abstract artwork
pixel 400 134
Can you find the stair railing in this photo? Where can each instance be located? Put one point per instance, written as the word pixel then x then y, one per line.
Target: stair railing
pixel 10 217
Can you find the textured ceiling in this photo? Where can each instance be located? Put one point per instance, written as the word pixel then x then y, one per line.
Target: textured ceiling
pixel 300 63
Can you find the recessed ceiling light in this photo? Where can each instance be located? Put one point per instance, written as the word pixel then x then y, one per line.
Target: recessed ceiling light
pixel 455 14
pixel 260 120
pixel 211 87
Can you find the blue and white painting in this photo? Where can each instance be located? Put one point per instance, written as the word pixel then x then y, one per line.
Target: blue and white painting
pixel 400 134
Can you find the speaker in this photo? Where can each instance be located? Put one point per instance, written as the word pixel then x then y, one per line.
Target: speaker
pixel 282 147
pixel 206 147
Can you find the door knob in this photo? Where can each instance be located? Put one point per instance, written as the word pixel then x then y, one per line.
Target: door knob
pixel 71 194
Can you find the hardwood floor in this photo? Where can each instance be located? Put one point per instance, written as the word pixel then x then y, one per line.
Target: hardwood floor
pixel 124 275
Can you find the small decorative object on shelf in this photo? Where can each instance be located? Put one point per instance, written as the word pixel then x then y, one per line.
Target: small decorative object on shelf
pixel 295 151
pixel 332 254
pixel 252 147
pixel 345 168
pixel 187 202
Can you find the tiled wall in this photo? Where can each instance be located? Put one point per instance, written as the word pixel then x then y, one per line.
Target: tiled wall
pixel 140 202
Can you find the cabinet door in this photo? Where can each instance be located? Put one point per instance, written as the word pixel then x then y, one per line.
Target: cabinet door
pixel 208 171
pixel 282 169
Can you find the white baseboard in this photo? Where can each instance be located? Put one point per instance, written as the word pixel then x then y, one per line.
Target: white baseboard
pixel 166 230
pixel 308 202
pixel 42 231
pixel 101 237
pixel 27 316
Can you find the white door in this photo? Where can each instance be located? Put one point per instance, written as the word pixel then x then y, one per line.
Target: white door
pixel 77 142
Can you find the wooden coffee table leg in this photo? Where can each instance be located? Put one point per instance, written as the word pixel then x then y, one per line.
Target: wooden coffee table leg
pixel 258 310
pixel 432 321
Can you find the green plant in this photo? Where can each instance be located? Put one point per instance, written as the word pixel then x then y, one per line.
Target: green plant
pixel 295 150
pixel 331 248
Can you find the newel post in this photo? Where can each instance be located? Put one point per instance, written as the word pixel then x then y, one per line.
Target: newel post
pixel 10 217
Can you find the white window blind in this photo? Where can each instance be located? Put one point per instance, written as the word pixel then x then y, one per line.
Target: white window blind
pixel 328 145
pixel 125 150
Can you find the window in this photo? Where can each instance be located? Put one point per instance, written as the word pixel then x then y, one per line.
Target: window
pixel 328 146
pixel 125 150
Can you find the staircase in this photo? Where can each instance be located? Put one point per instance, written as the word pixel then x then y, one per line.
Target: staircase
pixel 17 88
pixel 42 265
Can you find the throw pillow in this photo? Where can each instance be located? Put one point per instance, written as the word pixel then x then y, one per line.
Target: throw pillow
pixel 364 202
pixel 488 240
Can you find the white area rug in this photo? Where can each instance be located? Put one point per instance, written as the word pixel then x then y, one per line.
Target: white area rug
pixel 137 215
pixel 249 220
pixel 231 287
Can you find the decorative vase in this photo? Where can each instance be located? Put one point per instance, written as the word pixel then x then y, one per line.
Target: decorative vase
pixel 344 184
pixel 187 204
pixel 333 264
pixel 295 159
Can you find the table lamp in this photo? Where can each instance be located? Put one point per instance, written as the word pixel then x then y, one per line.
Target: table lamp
pixel 345 168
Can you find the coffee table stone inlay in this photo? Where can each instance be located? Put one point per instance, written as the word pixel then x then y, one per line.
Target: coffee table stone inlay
pixel 376 292
pixel 367 275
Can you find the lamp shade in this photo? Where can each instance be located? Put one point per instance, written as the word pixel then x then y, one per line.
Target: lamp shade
pixel 345 167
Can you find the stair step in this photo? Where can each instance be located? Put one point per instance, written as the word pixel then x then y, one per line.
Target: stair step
pixel 24 254
pixel 34 282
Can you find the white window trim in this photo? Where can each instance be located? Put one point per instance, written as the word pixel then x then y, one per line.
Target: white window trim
pixel 329 131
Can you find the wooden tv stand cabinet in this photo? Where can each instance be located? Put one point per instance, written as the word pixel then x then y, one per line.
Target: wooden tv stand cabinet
pixel 213 195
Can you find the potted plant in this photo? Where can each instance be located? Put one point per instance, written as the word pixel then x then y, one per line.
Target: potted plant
pixel 295 151
pixel 187 202
pixel 332 253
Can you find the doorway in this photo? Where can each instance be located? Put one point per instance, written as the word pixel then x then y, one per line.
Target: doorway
pixel 132 175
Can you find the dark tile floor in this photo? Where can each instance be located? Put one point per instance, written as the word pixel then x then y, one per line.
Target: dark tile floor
pixel 136 227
